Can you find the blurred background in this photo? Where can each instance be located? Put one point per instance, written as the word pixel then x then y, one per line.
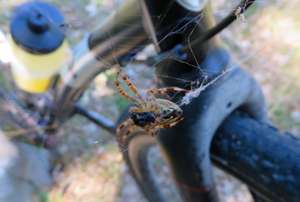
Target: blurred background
pixel 266 41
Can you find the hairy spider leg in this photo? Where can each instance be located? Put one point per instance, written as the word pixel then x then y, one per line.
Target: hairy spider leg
pixel 153 92
pixel 131 86
pixel 166 124
pixel 125 125
pixel 121 90
pixel 163 91
pixel 129 127
pixel 154 130
pixel 170 125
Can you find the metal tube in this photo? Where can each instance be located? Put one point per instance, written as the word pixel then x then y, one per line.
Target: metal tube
pixel 239 10
pixel 97 118
pixel 178 24
pixel 127 15
pixel 256 153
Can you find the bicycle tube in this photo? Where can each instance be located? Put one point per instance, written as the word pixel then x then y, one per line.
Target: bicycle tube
pixel 234 151
pixel 267 161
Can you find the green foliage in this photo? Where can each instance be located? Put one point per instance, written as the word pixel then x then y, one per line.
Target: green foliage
pixel 281 117
pixel 43 197
pixel 3 81
pixel 121 102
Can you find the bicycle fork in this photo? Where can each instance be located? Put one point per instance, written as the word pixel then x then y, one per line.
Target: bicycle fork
pixel 187 145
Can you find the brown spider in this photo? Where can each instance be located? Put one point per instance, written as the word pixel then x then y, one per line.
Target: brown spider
pixel 149 113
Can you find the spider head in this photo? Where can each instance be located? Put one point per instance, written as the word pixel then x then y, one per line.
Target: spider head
pixel 142 118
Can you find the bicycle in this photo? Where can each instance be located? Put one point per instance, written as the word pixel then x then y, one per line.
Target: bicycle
pixel 231 134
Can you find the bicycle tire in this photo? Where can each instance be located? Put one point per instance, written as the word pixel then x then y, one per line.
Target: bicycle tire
pixel 235 130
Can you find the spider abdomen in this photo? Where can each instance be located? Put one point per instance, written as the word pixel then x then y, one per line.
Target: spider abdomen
pixel 142 118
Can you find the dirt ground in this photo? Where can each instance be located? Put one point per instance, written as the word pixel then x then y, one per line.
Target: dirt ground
pixel 265 41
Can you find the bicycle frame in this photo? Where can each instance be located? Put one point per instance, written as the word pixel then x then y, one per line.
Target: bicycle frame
pixel 116 42
pixel 121 35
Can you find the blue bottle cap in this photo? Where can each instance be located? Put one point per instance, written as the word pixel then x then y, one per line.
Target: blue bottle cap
pixel 36 27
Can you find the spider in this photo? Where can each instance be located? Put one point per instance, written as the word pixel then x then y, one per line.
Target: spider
pixel 148 113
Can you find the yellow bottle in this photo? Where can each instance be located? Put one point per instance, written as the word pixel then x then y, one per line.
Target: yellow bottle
pixel 38 45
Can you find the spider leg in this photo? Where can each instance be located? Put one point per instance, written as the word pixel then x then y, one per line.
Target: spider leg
pixel 122 91
pixel 170 124
pixel 153 131
pixel 135 109
pixel 126 125
pixel 122 136
pixel 131 86
pixel 165 91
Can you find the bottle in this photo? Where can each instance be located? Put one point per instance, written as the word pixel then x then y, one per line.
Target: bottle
pixel 38 45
